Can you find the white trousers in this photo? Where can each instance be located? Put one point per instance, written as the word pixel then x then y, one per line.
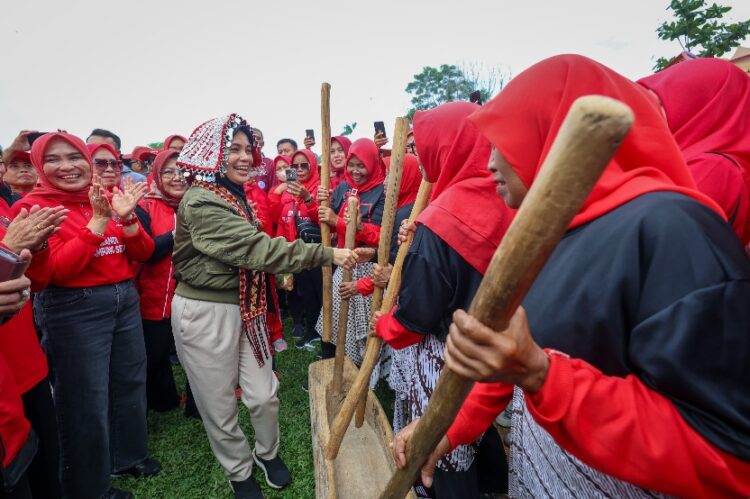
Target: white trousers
pixel 217 356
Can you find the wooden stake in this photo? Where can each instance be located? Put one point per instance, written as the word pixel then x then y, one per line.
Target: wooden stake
pixel 372 354
pixel 325 229
pixel 588 138
pixel 352 210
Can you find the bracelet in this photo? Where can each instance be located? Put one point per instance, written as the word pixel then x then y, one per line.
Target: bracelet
pixel 125 222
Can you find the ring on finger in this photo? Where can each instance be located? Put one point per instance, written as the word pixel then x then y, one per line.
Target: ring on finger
pixel 39 227
pixel 25 294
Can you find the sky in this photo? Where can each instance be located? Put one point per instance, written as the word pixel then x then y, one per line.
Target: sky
pixel 148 69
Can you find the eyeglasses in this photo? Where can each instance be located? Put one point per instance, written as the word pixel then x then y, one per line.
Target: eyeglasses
pixel 412 148
pixel 103 164
pixel 301 166
pixel 169 174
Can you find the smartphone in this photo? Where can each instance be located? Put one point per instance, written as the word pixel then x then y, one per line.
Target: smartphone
pixel 291 175
pixel 310 134
pixel 380 128
pixel 476 97
pixel 33 136
pixel 11 265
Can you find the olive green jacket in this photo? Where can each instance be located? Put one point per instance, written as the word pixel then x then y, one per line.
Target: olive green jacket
pixel 212 241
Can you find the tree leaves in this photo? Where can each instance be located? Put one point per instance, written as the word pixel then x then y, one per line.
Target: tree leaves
pixel 448 83
pixel 698 29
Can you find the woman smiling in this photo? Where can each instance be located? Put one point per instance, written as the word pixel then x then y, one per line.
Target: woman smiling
pixel 219 310
pixel 90 318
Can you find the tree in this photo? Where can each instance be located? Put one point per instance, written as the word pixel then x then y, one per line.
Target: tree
pixel 698 29
pixel 435 86
pixel 349 129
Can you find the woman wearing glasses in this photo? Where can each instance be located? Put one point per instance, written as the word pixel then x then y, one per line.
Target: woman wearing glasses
pixel 107 164
pixel 291 202
pixel 156 280
pixel 90 319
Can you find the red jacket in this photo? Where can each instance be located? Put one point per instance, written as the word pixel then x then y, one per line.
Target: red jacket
pixel 19 344
pixel 156 281
pixel 259 199
pixel 282 210
pixel 79 258
pixel 628 421
pixel 14 428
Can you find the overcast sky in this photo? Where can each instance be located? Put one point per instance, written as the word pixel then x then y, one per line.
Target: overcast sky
pixel 147 69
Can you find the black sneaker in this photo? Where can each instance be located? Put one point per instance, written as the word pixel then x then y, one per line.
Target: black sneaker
pixel 277 474
pixel 298 331
pixel 308 342
pixel 306 386
pixel 147 467
pixel 114 493
pixel 246 489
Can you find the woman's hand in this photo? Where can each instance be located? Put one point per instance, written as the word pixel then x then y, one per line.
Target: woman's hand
pixel 281 188
pixel 381 275
pixel 327 216
pixel 364 254
pixel 98 199
pixel 400 450
pixel 348 290
pixel 380 139
pixel 125 201
pixel 359 219
pixel 309 142
pixel 477 352
pixel 16 292
pixel 374 322
pixel 323 194
pixel 21 142
pixel 298 190
pixel 30 229
pixel 345 258
pixel 404 229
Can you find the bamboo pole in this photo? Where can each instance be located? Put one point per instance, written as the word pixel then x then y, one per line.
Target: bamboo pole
pixel 325 229
pixel 352 210
pixel 588 138
pixel 372 354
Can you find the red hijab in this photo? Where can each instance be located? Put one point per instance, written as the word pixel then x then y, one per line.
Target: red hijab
pixel 411 178
pixel 367 152
pixel 313 181
pixel 46 194
pixel 522 122
pixel 465 210
pixel 168 140
pixel 707 102
pixel 156 185
pixel 95 147
pixel 338 175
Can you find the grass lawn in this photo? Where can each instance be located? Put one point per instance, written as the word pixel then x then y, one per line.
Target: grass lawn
pixel 190 470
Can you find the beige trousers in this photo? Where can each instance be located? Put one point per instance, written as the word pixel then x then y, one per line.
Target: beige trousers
pixel 217 356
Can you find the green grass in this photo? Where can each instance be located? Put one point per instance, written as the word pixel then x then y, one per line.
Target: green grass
pixel 190 470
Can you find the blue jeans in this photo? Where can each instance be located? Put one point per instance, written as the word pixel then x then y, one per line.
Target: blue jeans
pixel 94 343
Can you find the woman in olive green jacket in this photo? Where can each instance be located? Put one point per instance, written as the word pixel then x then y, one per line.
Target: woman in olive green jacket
pixel 219 310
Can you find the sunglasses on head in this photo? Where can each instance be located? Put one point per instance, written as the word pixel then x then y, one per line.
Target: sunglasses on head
pixel 103 164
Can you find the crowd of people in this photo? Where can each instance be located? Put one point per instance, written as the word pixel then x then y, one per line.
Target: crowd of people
pixel 624 373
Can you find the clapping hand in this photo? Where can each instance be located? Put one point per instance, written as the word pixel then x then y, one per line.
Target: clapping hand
pixel 124 201
pixel 31 228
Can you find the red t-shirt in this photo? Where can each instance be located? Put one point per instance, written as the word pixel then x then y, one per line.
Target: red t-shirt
pixel 79 258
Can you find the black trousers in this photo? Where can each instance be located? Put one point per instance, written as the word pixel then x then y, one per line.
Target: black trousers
pixel 306 299
pixel 487 474
pixel 161 392
pixel 20 491
pixel 44 471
